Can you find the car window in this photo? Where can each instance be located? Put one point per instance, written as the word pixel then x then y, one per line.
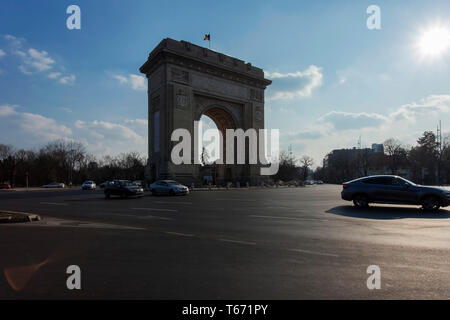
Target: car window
pixel 379 180
pixel 400 182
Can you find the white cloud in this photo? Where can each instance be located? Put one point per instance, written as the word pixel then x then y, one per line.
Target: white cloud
pixel 2 53
pixel 68 110
pixel 294 84
pixel 121 79
pixel 54 75
pixel 23 128
pixel 341 120
pixel 6 110
pixel 35 61
pixel 67 79
pixel 102 137
pixel 431 105
pixel 136 82
pixel 15 42
pixel 28 130
pixel 340 129
pixel 40 60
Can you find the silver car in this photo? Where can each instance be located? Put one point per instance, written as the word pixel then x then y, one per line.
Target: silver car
pixel 88 185
pixel 170 187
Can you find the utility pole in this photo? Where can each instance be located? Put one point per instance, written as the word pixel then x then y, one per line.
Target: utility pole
pixel 439 149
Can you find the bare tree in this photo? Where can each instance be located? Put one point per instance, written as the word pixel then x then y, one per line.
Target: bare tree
pixel 395 151
pixel 306 162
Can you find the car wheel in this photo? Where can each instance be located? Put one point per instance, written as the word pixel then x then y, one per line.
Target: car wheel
pixel 431 203
pixel 123 195
pixel 107 195
pixel 171 193
pixel 360 201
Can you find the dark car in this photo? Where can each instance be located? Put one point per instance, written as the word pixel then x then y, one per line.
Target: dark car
pixel 122 188
pixel 394 190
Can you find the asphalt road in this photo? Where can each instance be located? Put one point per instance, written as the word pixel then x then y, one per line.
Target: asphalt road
pixel 285 243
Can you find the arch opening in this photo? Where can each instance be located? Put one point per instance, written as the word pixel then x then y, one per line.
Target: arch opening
pixel 212 171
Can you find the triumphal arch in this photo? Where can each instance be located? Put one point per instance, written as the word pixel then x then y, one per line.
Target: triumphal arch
pixel 186 81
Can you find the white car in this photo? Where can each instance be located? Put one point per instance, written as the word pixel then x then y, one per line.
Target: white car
pixel 88 185
pixel 170 187
pixel 54 185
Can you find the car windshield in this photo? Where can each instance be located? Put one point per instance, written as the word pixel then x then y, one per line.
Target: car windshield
pixel 172 182
pixel 126 183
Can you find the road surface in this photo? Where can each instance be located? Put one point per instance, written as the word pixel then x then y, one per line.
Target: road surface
pixel 285 243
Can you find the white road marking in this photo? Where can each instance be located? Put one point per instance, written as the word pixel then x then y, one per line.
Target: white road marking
pixel 141 217
pixel 174 202
pixel 156 209
pixel 55 203
pixel 287 218
pixel 153 217
pixel 180 234
pixel 235 199
pixel 237 241
pixel 315 252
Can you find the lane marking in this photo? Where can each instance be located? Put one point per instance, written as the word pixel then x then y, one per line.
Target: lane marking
pixel 237 241
pixel 179 234
pixel 287 218
pixel 153 217
pixel 55 203
pixel 315 252
pixel 156 209
pixel 168 202
pixel 235 199
pixel 141 217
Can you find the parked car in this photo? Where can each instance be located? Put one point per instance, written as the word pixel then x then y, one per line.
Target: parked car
pixel 88 185
pixel 5 186
pixel 170 187
pixel 394 190
pixel 54 185
pixel 309 182
pixel 319 182
pixel 122 188
pixel 103 184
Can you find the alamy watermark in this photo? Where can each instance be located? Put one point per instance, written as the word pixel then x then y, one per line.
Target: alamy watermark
pixel 257 147
pixel 374 280
pixel 74 20
pixel 373 22
pixel 74 280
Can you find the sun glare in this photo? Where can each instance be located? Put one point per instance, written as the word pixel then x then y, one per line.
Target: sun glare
pixel 434 42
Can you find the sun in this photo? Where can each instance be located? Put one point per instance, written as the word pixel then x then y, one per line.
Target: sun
pixel 434 41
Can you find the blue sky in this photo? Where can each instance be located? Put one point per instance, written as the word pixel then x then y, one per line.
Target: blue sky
pixel 333 79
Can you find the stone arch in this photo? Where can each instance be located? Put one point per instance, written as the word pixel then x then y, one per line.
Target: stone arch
pixel 186 81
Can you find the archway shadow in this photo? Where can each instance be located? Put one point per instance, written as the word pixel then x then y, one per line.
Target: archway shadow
pixel 387 212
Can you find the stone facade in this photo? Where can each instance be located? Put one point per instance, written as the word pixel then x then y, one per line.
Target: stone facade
pixel 186 81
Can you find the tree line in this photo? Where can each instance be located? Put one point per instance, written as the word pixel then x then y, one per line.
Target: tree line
pixel 428 162
pixel 67 162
